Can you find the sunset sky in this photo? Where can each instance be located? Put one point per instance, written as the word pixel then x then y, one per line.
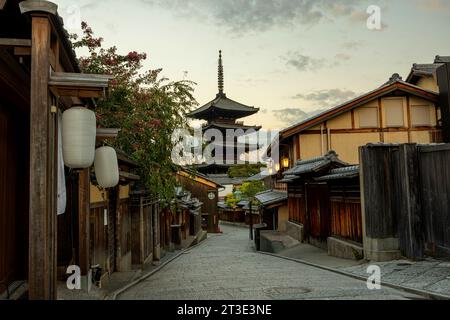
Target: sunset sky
pixel 288 57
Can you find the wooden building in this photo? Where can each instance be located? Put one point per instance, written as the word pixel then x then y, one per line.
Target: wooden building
pixel 325 205
pixel 273 208
pixel 39 76
pixel 206 191
pixel 396 112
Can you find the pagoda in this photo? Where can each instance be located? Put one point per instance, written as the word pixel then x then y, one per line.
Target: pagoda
pixel 222 114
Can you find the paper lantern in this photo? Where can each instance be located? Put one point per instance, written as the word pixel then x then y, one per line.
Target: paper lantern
pixel 106 167
pixel 78 137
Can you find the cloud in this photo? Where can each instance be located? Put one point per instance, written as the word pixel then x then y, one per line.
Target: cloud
pixel 328 97
pixel 303 62
pixel 289 116
pixel 434 5
pixel 352 45
pixel 240 16
pixel 342 57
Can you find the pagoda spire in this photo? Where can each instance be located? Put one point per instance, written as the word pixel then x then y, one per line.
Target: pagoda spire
pixel 220 74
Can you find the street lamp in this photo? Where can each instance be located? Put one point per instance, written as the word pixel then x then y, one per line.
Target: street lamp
pixel 285 162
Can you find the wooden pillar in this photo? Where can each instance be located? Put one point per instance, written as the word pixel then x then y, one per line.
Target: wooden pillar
pixel 379 201
pixel 43 173
pixel 141 230
pixel 156 232
pixel 83 221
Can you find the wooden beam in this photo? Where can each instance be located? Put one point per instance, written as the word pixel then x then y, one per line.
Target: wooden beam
pixel 128 176
pixel 42 236
pixel 15 42
pixel 353 118
pixel 2 4
pixel 83 221
pixel 22 51
pixel 408 114
pixel 380 119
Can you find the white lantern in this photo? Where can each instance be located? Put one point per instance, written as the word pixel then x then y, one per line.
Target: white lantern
pixel 78 137
pixel 106 167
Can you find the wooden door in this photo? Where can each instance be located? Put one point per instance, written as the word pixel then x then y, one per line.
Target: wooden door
pixel 318 211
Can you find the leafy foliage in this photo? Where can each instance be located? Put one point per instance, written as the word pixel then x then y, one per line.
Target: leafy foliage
pixel 231 201
pixel 145 106
pixel 245 170
pixel 251 188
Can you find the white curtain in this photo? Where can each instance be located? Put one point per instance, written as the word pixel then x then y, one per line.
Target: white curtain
pixel 61 178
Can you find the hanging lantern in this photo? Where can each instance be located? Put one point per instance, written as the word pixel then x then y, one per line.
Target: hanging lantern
pixel 286 163
pixel 106 167
pixel 78 137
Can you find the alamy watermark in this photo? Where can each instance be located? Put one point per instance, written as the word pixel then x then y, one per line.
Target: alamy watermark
pixel 374 280
pixel 74 280
pixel 374 19
pixel 230 146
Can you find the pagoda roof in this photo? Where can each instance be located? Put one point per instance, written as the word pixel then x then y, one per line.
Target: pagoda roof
pixel 222 106
pixel 221 125
pixel 232 144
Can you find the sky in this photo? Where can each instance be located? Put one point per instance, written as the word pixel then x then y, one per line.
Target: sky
pixel 290 58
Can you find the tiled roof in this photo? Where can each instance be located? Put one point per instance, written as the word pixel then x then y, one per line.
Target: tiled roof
pixel 271 196
pixel 214 124
pixel 224 179
pixel 341 173
pixel 426 69
pixel 194 172
pixel 259 176
pixel 442 59
pixel 288 178
pixel 223 103
pixel 314 164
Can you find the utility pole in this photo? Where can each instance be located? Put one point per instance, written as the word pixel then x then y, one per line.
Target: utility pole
pixel 251 219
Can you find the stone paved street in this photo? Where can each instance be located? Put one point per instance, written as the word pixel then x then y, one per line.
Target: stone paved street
pixel 226 266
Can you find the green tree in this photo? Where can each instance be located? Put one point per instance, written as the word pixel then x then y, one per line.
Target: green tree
pixel 251 188
pixel 145 106
pixel 245 170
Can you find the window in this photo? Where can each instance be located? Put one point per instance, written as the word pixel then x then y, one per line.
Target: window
pixel 394 112
pixel 420 116
pixel 368 117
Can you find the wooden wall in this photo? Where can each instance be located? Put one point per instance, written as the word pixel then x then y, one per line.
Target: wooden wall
pixel 296 203
pixel 406 196
pixel 434 164
pixel 346 218
pixel 200 191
